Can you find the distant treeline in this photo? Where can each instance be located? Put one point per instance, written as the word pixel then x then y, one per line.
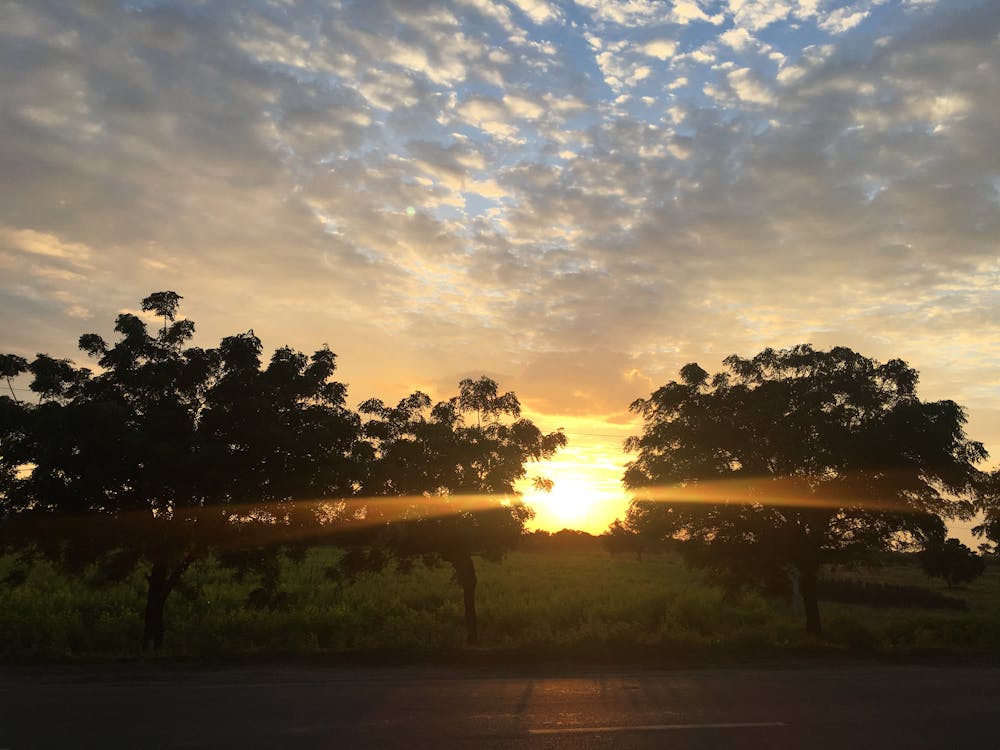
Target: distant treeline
pixel 566 540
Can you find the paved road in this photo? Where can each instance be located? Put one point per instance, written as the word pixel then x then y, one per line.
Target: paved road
pixel 320 709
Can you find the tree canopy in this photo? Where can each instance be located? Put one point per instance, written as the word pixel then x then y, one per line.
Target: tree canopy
pixel 794 458
pixel 453 478
pixel 952 561
pixel 169 452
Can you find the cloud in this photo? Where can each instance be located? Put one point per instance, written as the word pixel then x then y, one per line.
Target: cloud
pixel 749 88
pixel 688 11
pixel 842 19
pixel 493 10
pixel 737 38
pixel 704 55
pixel 520 106
pixel 31 242
pixel 539 11
pixel 641 13
pixel 583 382
pixel 490 115
pixel 622 65
pixel 626 12
pixel 433 188
pixel 662 49
pixel 759 14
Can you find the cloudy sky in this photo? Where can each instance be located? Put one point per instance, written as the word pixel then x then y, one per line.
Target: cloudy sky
pixel 575 197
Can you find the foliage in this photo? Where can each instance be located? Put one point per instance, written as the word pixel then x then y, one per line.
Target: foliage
pixel 952 561
pixel 881 594
pixel 564 540
pixel 797 458
pixel 989 505
pixel 451 479
pixel 620 538
pixel 170 452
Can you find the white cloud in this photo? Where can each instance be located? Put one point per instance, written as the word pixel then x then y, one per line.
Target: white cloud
pixel 639 73
pixel 749 87
pixel 812 57
pixel 564 105
pixel 737 38
pixel 688 11
pixel 806 8
pixel 539 11
pixel 520 106
pixel 703 55
pixel 661 49
pixel 489 115
pixel 620 69
pixel 841 20
pixel 627 12
pixel 758 14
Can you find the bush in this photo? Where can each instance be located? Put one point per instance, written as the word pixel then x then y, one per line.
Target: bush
pixel 952 561
pixel 872 594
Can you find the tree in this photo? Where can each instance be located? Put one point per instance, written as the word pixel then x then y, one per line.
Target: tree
pixel 171 452
pixel 10 367
pixel 795 458
pixel 989 506
pixel 284 446
pixel 449 482
pixel 621 538
pixel 952 561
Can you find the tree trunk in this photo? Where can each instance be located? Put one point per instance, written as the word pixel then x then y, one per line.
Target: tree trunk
pixel 156 598
pixel 810 599
pixel 161 582
pixel 465 571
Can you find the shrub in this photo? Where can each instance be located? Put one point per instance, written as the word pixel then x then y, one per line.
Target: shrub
pixel 952 561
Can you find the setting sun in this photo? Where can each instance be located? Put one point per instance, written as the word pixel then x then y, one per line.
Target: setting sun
pixel 569 503
pixel 587 492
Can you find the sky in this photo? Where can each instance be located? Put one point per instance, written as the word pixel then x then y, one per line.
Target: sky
pixel 574 197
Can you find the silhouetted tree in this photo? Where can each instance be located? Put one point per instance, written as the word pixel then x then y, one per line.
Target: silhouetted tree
pixel 10 367
pixel 452 478
pixel 562 541
pixel 795 458
pixel 171 452
pixel 285 449
pixel 620 538
pixel 952 561
pixel 989 506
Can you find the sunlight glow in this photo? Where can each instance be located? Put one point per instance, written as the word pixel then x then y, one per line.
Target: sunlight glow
pixel 569 504
pixel 855 491
pixel 578 500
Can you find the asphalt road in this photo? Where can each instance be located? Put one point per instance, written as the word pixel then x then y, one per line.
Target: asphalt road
pixel 843 708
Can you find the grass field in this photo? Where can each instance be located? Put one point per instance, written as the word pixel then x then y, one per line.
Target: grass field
pixel 534 603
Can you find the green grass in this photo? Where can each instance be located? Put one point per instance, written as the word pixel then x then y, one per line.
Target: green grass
pixel 541 604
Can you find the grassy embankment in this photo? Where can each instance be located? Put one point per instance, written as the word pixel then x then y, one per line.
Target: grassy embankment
pixel 551 604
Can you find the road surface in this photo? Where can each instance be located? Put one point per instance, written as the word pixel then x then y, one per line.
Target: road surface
pixel 849 708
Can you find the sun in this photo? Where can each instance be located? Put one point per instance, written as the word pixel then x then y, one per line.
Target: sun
pixel 570 504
